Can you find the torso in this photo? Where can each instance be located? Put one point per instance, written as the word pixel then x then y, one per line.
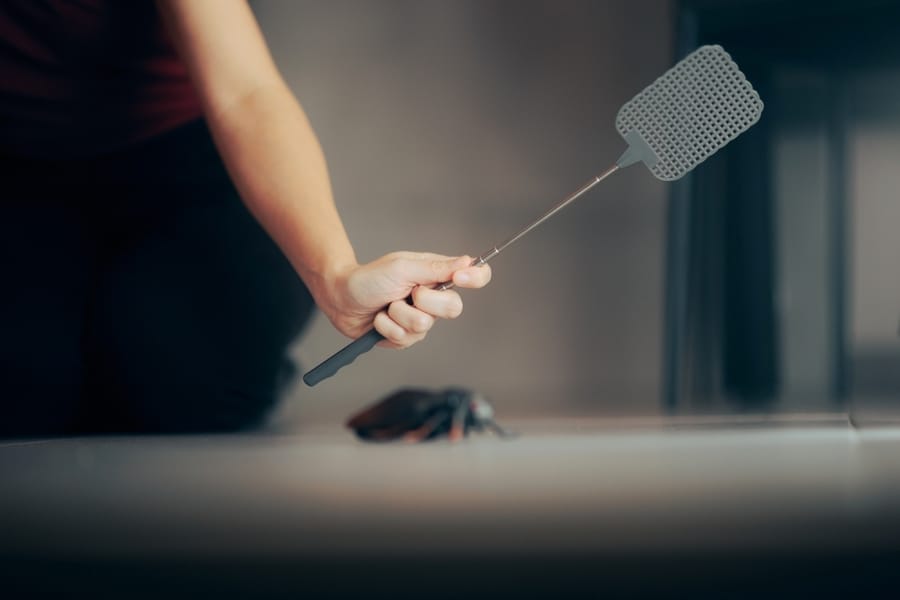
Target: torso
pixel 84 77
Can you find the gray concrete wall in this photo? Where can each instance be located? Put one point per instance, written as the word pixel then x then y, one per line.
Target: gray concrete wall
pixel 450 124
pixel 874 213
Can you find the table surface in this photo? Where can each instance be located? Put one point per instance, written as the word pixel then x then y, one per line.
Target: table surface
pixel 588 487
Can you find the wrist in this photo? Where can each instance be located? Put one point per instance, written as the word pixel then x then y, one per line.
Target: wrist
pixel 328 285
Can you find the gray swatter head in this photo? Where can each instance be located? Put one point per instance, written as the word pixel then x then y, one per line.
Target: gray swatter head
pixel 688 114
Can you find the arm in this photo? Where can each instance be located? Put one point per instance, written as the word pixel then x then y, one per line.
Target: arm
pixel 277 165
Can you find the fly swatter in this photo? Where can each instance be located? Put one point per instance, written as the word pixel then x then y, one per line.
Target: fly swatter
pixel 677 122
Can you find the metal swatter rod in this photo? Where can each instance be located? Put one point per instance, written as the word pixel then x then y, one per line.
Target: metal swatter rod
pixel 484 258
pixel 561 205
pixel 367 341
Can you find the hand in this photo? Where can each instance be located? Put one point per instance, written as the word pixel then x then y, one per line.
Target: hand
pixel 376 294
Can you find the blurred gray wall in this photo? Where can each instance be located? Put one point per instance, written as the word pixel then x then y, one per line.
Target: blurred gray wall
pixel 447 126
pixel 874 213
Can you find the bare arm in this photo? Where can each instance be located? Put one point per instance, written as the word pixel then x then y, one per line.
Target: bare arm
pixel 277 165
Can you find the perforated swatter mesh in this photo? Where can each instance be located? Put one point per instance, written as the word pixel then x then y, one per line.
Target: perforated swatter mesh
pixel 692 110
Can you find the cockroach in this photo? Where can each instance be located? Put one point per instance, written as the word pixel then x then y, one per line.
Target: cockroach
pixel 418 415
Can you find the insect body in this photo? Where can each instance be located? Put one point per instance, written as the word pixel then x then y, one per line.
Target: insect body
pixel 416 415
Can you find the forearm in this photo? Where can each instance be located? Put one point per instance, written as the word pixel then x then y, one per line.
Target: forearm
pixel 275 160
pixel 276 163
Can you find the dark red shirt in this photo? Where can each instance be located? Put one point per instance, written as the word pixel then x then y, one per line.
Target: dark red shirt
pixel 82 77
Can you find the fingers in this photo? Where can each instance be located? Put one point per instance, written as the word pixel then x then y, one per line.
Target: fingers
pixel 428 269
pixel 410 318
pixel 394 334
pixel 444 304
pixel 403 325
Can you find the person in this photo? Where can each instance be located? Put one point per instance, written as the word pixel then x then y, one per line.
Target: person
pixel 168 223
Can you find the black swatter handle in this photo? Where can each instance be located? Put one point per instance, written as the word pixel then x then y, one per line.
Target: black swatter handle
pixel 343 357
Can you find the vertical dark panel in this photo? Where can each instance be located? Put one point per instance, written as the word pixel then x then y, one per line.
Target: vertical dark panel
pixel 750 344
pixel 677 259
pixel 706 293
pixel 676 290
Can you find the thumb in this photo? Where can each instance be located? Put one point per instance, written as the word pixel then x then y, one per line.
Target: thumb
pixel 428 269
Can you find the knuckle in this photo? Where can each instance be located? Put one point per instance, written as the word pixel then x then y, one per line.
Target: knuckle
pixel 389 329
pixel 422 323
pixel 412 319
pixel 395 309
